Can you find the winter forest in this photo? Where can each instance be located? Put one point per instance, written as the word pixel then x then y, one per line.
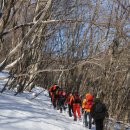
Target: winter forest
pixel 81 45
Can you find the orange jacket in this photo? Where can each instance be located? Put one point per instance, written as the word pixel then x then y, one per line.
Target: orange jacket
pixel 83 103
pixel 71 99
pixel 52 88
pixel 87 105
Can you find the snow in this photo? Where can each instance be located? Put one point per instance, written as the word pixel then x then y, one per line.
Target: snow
pixel 4 74
pixel 22 113
pixel 27 112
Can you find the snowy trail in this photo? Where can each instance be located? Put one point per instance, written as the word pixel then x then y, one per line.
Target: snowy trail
pixel 19 113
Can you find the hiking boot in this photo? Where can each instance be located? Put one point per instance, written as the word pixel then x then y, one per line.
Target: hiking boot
pixel 86 125
pixel 90 126
pixel 75 119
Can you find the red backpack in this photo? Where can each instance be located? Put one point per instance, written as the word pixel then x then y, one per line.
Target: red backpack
pixel 88 104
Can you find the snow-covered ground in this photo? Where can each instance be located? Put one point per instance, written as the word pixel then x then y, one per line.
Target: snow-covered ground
pixel 21 113
pixel 4 74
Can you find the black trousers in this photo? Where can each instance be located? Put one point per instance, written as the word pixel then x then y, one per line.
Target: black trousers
pixel 70 110
pixel 99 124
pixel 60 103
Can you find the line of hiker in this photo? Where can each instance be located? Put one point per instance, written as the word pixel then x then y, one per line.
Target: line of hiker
pixel 92 110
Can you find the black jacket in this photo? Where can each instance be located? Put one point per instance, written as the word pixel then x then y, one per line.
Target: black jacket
pixel 98 114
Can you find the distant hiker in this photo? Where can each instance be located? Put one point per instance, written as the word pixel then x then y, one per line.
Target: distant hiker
pixel 87 105
pixel 52 92
pixel 61 97
pixel 99 112
pixel 69 102
pixel 76 102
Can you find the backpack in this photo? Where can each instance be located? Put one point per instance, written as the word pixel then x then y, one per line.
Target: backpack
pixel 99 111
pixel 99 108
pixel 88 104
pixel 77 99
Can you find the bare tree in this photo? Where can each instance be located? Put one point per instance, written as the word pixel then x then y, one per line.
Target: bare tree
pixel 82 45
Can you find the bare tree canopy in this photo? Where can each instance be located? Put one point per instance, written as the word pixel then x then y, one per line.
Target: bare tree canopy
pixel 83 45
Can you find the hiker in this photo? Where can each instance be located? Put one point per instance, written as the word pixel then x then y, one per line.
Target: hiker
pixel 76 102
pixel 98 112
pixel 53 90
pixel 69 103
pixel 87 105
pixel 61 97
